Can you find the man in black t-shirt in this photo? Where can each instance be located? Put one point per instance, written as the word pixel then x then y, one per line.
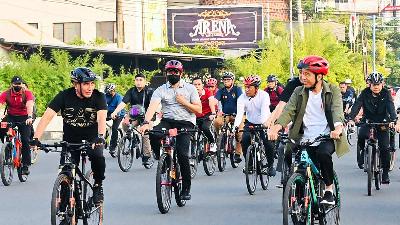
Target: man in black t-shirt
pixel 138 95
pixel 84 112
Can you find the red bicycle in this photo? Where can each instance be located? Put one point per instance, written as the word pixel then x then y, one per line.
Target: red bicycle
pixel 11 153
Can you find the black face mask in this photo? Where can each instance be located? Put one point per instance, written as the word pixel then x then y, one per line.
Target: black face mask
pixel 173 79
pixel 17 88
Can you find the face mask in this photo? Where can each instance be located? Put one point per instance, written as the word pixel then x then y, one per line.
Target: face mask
pixel 173 79
pixel 17 88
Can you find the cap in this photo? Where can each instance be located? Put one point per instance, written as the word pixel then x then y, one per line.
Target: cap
pixel 16 79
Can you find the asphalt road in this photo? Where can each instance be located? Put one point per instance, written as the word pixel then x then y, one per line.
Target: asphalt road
pixel 217 200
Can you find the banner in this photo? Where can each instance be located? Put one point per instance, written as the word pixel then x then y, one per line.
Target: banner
pixel 225 27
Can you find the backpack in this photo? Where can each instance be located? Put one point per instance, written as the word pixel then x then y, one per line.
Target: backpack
pixel 8 100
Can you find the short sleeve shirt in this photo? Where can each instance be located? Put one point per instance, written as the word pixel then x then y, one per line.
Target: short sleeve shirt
pixel 229 99
pixel 289 89
pixel 79 115
pixel 205 103
pixel 16 106
pixel 134 97
pixel 171 109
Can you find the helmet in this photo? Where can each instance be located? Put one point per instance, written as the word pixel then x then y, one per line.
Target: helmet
pixel 212 82
pixel 272 78
pixel 228 74
pixel 174 64
pixel 315 64
pixel 109 88
pixel 348 81
pixel 376 78
pixel 252 80
pixel 136 111
pixel 82 74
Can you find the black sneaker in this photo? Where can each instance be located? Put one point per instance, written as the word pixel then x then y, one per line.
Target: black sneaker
pixel 145 160
pixel 251 171
pixel 98 195
pixel 25 170
pixel 112 152
pixel 185 194
pixel 237 158
pixel 385 177
pixel 271 171
pixel 328 198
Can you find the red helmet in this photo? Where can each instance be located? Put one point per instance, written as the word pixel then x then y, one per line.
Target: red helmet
pixel 212 82
pixel 174 64
pixel 315 64
pixel 252 80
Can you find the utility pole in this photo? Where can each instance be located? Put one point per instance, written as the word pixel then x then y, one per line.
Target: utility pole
pixel 291 37
pixel 143 28
pixel 300 19
pixel 120 24
pixel 373 42
pixel 268 20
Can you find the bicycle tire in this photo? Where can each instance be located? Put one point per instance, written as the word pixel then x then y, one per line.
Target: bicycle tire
pixel 6 164
pixel 208 159
pixel 232 152
pixel 60 198
pixel 125 154
pixel 164 188
pixel 264 178
pixel 177 184
pixel 251 169
pixel 95 216
pixel 193 161
pixel 221 155
pixel 297 182
pixel 377 171
pixel 369 169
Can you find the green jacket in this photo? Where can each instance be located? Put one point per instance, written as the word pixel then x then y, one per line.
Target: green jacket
pixel 296 107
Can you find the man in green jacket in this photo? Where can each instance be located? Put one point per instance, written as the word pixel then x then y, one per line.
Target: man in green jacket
pixel 316 108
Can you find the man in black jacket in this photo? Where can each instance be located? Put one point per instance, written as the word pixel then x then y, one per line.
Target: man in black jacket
pixel 378 107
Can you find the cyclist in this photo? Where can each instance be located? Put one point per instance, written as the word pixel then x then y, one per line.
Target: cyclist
pixel 212 85
pixel 378 107
pixel 350 88
pixel 255 103
pixel 227 97
pixel 315 109
pixel 113 100
pixel 138 95
pixel 347 98
pixel 205 118
pixel 19 102
pixel 180 101
pixel 274 91
pixel 84 112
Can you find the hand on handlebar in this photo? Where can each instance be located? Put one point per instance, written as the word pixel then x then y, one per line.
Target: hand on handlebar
pixel 273 132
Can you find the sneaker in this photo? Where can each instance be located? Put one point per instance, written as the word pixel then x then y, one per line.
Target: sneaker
pixel 112 151
pixel 237 158
pixel 145 160
pixel 25 170
pixel 385 177
pixel 98 195
pixel 250 170
pixel 213 148
pixel 271 171
pixel 328 198
pixel 185 194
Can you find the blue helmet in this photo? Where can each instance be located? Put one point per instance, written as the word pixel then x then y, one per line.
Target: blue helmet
pixel 82 74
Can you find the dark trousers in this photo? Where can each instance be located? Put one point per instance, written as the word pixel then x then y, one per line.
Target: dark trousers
pixel 392 139
pixel 114 132
pixel 25 131
pixel 246 139
pixel 204 125
pixel 383 143
pixel 182 146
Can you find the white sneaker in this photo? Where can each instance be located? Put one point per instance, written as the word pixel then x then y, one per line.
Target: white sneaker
pixel 213 148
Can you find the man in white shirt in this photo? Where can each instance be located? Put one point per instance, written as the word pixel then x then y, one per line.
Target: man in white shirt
pixel 255 103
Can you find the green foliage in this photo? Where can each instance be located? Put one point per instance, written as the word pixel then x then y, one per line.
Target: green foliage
pixel 196 50
pixel 99 42
pixel 77 41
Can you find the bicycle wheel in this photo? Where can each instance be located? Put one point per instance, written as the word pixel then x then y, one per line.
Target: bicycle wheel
pixel 164 183
pixel 63 202
pixel 377 171
pixel 369 169
pixel 264 178
pixel 294 210
pixel 251 169
pixel 193 160
pixel 93 213
pixel 125 154
pixel 232 152
pixel 6 164
pixel 221 154
pixel 209 159
pixel 177 184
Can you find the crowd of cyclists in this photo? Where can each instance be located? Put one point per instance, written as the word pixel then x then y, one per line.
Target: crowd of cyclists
pixel 306 107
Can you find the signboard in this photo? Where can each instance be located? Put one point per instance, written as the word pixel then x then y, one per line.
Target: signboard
pixel 392 8
pixel 225 27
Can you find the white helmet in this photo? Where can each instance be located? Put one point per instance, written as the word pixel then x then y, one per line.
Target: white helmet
pixel 348 81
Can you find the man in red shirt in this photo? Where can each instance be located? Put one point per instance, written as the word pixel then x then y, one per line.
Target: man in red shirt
pixel 207 115
pixel 19 102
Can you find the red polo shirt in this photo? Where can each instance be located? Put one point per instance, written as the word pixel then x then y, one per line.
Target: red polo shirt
pixel 16 106
pixel 205 104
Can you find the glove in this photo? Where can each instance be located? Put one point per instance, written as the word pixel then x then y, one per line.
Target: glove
pixel 99 140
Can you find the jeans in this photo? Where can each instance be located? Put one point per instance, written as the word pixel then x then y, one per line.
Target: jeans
pixel 114 133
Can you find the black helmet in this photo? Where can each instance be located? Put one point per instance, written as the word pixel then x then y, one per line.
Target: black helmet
pixel 271 78
pixel 82 74
pixel 376 78
pixel 109 88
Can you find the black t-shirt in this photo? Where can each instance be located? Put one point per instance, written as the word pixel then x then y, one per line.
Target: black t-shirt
pixel 133 97
pixel 79 115
pixel 289 89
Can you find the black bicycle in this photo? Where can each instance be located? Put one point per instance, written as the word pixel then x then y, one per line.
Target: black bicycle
pixel 281 165
pixel 72 196
pixel 109 134
pixel 227 146
pixel 256 160
pixel 168 177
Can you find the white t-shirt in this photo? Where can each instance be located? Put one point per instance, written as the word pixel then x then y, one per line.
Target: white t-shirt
pixel 314 120
pixel 256 108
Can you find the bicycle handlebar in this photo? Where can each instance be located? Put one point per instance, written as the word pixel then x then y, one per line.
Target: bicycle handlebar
pixel 81 146
pixel 252 128
pixel 171 132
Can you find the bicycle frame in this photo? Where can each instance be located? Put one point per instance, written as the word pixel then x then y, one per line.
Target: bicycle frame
pixel 14 137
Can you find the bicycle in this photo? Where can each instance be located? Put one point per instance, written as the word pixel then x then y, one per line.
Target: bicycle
pixel 11 154
pixel 256 160
pixel 72 195
pixel 371 154
pixel 350 132
pixel 304 190
pixel 109 134
pixel 129 146
pixel 281 165
pixel 227 146
pixel 200 151
pixel 168 177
